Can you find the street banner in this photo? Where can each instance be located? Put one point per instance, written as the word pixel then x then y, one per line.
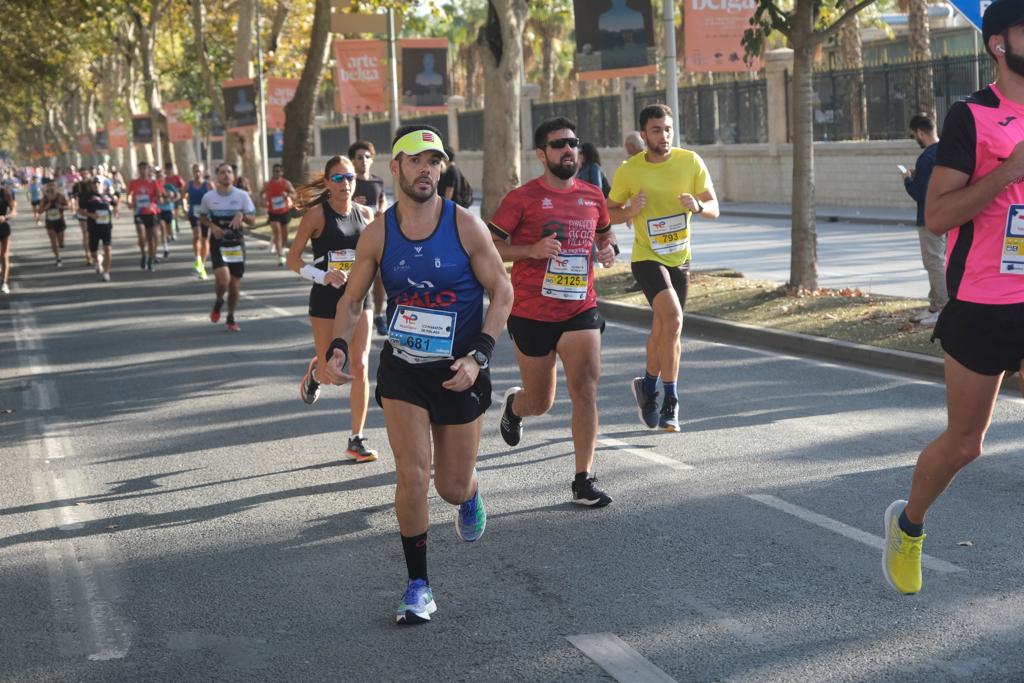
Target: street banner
pixel 359 76
pixel 85 144
pixel 178 130
pixel 971 10
pixel 713 31
pixel 102 140
pixel 142 129
pixel 117 135
pixel 424 69
pixel 240 104
pixel 280 92
pixel 614 38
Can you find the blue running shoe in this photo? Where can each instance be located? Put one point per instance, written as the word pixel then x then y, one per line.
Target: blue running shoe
pixel 669 418
pixel 471 519
pixel 646 405
pixel 417 604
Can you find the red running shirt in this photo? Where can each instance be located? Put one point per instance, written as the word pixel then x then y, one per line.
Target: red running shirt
pixel 556 289
pixel 277 196
pixel 985 256
pixel 145 194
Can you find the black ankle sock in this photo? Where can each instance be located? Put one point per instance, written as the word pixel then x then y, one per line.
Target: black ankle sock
pixel 218 304
pixel 415 549
pixel 231 318
pixel 581 476
pixel 909 528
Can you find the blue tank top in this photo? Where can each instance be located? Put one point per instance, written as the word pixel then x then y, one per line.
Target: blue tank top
pixel 195 196
pixel 435 302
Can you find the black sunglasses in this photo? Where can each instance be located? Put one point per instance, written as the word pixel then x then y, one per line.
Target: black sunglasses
pixel 338 177
pixel 560 143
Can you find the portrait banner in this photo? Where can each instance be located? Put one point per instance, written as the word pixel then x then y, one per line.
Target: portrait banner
pixel 280 92
pixel 102 140
pixel 240 104
pixel 117 135
pixel 424 68
pixel 177 129
pixel 714 31
pixel 85 144
pixel 614 38
pixel 142 129
pixel 362 86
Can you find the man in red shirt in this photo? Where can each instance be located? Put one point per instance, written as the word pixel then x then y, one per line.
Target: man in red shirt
pixel 551 228
pixel 144 195
pixel 278 193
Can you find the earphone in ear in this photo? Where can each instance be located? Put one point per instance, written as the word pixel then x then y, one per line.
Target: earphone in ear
pixel 1001 49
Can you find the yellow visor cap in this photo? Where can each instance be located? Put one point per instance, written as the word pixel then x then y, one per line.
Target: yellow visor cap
pixel 418 142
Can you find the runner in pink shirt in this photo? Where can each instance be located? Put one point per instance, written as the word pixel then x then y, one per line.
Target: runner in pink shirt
pixel 976 195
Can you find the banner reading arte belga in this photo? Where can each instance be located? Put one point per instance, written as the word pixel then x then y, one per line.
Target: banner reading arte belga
pixel 614 38
pixel 359 75
pixel 178 130
pixel 714 33
pixel 280 92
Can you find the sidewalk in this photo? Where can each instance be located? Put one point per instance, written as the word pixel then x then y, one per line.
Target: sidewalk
pixel 872 215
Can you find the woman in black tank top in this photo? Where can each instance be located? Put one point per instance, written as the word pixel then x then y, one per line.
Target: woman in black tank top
pixel 52 207
pixel 333 222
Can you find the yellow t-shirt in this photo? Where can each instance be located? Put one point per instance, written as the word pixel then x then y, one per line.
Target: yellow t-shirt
pixel 661 232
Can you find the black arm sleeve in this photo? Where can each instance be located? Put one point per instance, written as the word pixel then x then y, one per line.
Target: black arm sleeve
pixel 957 148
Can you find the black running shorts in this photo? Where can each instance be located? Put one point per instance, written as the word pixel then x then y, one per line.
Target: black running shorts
pixel 197 224
pixel 282 218
pixel 57 226
pixel 146 220
pixel 97 234
pixel 653 277
pixel 420 385
pixel 537 338
pixel 323 301
pixel 985 338
pixel 5 230
pixel 237 270
pixel 167 217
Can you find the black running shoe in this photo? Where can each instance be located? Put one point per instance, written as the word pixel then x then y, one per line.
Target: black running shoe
pixel 142 263
pixel 669 418
pixel 309 388
pixel 646 404
pixel 358 450
pixel 381 324
pixel 511 426
pixel 586 492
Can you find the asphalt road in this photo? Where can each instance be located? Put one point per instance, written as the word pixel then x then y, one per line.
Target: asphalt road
pixel 170 511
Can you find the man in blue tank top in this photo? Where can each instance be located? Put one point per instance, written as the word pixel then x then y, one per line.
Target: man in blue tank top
pixel 436 261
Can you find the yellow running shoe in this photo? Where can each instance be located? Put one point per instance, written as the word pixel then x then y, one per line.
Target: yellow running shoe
pixel 901 556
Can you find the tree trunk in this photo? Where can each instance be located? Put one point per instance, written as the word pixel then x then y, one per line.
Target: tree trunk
pixel 803 268
pixel 503 61
pixel 246 143
pixel 212 90
pixel 298 114
pixel 853 58
pixel 921 50
pixel 147 45
pixel 548 57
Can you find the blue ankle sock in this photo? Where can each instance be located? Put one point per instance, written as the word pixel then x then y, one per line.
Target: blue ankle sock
pixel 909 528
pixel 670 390
pixel 650 384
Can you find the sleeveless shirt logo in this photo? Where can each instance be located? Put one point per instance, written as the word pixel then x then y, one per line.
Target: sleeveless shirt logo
pixel 1007 121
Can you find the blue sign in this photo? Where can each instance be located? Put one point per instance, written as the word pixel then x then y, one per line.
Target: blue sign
pixel 278 143
pixel 971 10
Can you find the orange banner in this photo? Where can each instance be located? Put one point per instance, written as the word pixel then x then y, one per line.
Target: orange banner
pixel 84 144
pixel 177 129
pixel 359 76
pixel 714 29
pixel 117 135
pixel 280 92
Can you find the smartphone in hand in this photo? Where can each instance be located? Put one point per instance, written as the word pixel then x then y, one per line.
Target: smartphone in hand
pixel 902 168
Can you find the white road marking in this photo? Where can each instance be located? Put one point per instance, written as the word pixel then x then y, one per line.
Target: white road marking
pixel 642 453
pixel 25 336
pixel 276 309
pixel 846 530
pixel 618 659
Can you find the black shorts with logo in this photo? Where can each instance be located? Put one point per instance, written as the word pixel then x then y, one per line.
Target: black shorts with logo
pixel 237 270
pixel 985 338
pixel 537 338
pixel 420 385
pixel 281 218
pixel 323 301
pixel 98 233
pixel 653 277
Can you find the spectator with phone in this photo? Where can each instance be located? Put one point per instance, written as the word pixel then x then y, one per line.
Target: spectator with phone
pixel 933 247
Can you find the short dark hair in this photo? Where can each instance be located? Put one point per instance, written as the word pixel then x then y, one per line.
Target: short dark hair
pixel 276 166
pixel 450 152
pixel 922 122
pixel 590 154
pixel 358 145
pixel 412 128
pixel 540 135
pixel 653 111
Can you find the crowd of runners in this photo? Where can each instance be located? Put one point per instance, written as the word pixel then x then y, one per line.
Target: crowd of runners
pixel 430 277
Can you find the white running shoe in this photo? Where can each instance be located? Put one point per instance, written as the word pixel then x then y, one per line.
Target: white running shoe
pixel 106 277
pixel 4 289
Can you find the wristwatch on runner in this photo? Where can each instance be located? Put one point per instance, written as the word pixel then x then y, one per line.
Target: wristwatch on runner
pixel 480 357
pixel 700 207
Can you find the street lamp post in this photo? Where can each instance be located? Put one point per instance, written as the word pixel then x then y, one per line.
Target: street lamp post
pixel 671 68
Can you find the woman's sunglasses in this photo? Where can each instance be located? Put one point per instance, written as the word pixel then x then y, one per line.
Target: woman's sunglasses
pixel 338 177
pixel 560 143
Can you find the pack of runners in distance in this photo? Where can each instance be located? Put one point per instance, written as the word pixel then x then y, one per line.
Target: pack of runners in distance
pixel 436 261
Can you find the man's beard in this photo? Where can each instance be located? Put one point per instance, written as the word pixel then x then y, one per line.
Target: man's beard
pixel 561 170
pixel 409 188
pixel 1014 61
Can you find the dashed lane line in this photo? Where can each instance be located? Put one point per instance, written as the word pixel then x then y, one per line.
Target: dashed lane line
pixel 618 659
pixel 651 456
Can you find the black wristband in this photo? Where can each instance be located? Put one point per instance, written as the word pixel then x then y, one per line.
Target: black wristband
pixel 484 343
pixel 615 248
pixel 338 343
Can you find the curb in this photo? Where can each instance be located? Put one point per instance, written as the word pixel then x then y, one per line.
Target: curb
pixel 717 329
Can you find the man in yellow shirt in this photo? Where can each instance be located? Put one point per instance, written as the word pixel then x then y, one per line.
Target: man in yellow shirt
pixel 659 191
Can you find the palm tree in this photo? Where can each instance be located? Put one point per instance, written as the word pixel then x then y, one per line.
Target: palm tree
pixel 920 51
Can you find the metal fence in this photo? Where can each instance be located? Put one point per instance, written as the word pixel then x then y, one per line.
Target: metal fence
pixel 597 118
pixel 731 112
pixel 877 102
